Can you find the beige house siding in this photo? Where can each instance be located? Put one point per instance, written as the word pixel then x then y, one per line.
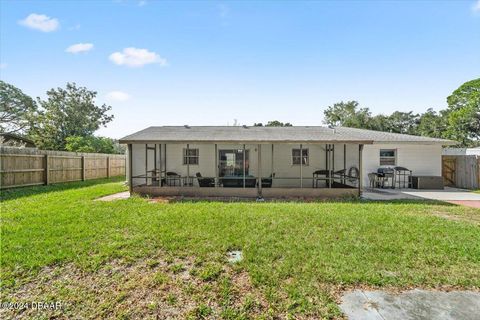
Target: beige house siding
pixel 422 159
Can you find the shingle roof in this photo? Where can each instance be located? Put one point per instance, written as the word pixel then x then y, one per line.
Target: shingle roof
pixel 271 134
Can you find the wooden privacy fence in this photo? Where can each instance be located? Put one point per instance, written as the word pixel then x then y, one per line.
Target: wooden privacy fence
pixel 461 171
pixel 29 166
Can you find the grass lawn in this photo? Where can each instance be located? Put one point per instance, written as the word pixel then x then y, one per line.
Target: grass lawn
pixel 137 259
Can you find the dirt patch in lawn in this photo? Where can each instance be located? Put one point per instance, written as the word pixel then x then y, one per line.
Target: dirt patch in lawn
pixel 148 289
pixel 469 216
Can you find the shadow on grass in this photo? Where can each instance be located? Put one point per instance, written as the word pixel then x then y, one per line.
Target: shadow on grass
pixel 15 193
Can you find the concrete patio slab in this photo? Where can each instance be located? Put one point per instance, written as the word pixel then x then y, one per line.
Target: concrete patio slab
pixel 414 304
pixel 448 194
pixel 115 196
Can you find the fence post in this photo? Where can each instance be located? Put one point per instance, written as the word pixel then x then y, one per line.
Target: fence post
pixel 83 168
pixel 108 166
pixel 46 170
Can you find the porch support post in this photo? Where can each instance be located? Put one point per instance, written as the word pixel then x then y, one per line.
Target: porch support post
pixel 130 166
pixel 155 162
pixel 160 164
pixel 273 171
pixel 243 166
pixel 301 166
pixel 146 164
pixel 216 166
pixel 330 166
pixel 333 157
pixel 188 165
pixel 344 162
pixel 360 169
pixel 333 166
pixel 259 171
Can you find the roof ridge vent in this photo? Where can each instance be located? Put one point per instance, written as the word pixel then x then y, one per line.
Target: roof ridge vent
pixel 186 126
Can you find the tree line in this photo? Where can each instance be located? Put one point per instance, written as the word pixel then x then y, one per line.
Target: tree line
pixel 66 120
pixel 460 121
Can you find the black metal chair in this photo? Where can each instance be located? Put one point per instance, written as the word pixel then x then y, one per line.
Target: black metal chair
pixel 205 182
pixel 267 182
pixel 173 179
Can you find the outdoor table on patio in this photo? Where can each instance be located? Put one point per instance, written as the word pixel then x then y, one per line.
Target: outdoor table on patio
pixel 321 175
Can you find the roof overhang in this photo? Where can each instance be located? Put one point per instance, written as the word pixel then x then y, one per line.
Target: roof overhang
pixel 438 143
pixel 128 141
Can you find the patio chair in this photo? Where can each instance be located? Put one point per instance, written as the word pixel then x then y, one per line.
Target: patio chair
pixel 173 179
pixel 267 182
pixel 373 180
pixel 205 182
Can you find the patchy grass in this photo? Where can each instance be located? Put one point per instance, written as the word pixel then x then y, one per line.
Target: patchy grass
pixel 136 259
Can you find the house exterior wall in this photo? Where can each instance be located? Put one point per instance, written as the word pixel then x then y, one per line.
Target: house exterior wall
pixel 420 158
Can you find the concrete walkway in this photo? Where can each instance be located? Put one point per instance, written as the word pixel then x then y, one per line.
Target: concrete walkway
pixel 115 196
pixel 411 305
pixel 448 194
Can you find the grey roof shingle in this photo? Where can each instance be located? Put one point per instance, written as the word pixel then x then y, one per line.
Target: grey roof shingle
pixel 272 134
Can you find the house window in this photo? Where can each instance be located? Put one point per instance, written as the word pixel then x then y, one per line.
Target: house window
pixel 388 157
pixel 190 156
pixel 297 157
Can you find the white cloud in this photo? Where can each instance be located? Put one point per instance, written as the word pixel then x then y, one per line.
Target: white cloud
pixel 79 47
pixel 40 22
pixel 133 57
pixel 117 96
pixel 476 6
pixel 3 65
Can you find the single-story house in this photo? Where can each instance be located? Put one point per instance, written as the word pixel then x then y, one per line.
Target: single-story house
pixel 245 161
pixel 15 140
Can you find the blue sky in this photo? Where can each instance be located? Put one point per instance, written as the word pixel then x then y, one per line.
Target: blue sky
pixel 208 63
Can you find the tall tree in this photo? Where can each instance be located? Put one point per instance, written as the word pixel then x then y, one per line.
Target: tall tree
pixel 68 112
pixel 348 114
pixel 431 124
pixel 16 109
pixel 463 114
pixel 397 122
pixel 93 144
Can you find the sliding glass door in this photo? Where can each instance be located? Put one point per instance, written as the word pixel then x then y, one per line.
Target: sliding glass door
pixel 231 163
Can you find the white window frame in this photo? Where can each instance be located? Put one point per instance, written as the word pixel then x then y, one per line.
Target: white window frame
pixel 187 159
pixel 388 158
pixel 299 159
